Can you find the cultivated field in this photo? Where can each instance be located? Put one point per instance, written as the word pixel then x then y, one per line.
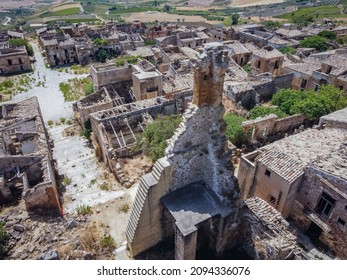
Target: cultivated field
pixel 151 17
pixel 10 4
pixel 245 3
pixel 65 7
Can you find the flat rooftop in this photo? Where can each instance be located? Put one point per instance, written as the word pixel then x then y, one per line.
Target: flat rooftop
pixel 193 205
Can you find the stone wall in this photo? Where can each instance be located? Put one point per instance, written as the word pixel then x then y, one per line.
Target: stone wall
pixel 109 74
pixel 258 92
pixel 316 182
pixel 268 125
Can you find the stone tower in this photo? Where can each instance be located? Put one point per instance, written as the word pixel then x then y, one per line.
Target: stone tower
pixel 209 72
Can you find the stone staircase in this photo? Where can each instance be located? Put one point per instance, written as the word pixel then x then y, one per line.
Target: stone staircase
pixel 146 182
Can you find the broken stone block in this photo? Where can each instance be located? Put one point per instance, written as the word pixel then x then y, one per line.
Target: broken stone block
pixel 71 224
pixel 19 227
pixel 52 255
pixel 15 234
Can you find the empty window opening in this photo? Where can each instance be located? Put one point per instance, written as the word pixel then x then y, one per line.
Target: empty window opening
pixel 268 172
pixel 258 64
pixel 273 200
pixel 303 84
pixel 329 69
pixel 341 222
pixel 325 205
pixel 9 62
pixel 277 64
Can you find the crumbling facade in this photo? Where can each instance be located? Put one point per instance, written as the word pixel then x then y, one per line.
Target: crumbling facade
pixel 303 177
pixel 26 164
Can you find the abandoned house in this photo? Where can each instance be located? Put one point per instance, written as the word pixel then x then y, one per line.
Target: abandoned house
pixel 115 130
pixel 268 59
pixel 238 52
pixel 302 176
pixel 14 60
pixel 26 165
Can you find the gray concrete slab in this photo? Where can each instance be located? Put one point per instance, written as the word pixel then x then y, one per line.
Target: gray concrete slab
pixel 193 205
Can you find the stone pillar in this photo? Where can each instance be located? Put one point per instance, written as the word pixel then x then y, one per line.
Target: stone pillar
pixel 185 246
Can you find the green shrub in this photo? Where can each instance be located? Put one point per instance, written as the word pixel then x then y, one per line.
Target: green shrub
pixel 89 88
pixel 261 111
pixel 100 42
pixel 327 34
pixel 66 181
pixel 234 130
pixel 155 135
pixel 317 42
pixel 50 122
pixel 84 210
pixel 105 187
pixel 92 182
pixel 289 50
pixel 108 242
pixel 310 103
pixel 247 68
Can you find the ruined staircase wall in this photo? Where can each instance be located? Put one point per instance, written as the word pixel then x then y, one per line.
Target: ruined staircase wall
pixel 144 227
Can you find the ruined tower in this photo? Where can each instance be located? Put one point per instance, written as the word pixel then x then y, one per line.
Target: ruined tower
pixel 191 196
pixel 209 74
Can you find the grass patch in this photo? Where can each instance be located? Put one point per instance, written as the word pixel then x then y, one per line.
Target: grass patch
pixel 124 208
pixel 84 210
pixel 65 12
pixel 76 88
pixel 67 181
pixel 108 242
pixel 315 12
pixel 105 187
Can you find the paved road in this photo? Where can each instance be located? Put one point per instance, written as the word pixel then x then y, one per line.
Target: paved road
pixel 50 97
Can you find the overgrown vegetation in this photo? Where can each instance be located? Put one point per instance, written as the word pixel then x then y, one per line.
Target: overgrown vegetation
pixel 105 187
pixel 317 42
pixel 4 237
pixel 248 68
pixel 271 25
pixel 262 111
pixel 87 131
pixel 310 103
pixel 234 130
pixel 22 42
pixel 84 210
pixel 289 50
pixel 153 141
pixel 100 42
pixel 108 242
pixel 76 88
pixel 121 60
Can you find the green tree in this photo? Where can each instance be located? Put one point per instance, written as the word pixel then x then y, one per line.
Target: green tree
pixel 235 19
pixel 22 42
pixel 166 8
pixel 100 42
pixel 317 42
pixel 286 98
pixel 302 20
pixel 327 34
pixel 101 55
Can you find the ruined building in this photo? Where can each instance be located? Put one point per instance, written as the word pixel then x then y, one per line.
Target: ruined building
pixel 303 176
pixel 26 163
pixel 13 60
pixel 191 196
